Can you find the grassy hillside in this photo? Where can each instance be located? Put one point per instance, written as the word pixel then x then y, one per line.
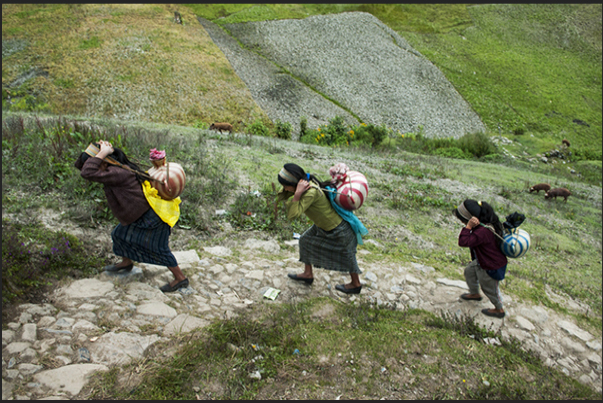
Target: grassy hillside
pixel 122 61
pixel 525 69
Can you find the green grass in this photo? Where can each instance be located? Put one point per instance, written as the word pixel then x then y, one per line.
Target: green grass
pixel 347 350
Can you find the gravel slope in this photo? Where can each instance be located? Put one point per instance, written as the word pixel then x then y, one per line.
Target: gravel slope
pixel 352 58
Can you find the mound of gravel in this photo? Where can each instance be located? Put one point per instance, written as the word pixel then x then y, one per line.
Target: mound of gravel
pixel 352 59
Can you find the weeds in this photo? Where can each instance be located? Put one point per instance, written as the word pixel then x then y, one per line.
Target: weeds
pixel 33 257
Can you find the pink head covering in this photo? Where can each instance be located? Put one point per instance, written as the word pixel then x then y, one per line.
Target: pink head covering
pixel 156 155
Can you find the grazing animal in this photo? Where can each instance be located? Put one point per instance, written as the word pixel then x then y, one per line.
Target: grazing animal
pixel 221 126
pixel 566 142
pixel 177 17
pixel 541 186
pixel 561 192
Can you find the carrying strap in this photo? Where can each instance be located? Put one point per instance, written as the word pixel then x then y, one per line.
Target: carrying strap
pixel 492 229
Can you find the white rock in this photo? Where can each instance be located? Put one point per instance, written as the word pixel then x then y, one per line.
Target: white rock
pixel 8 336
pixel 70 378
pixel 453 283
pixel 412 279
pixel 255 275
pixel 524 324
pixel 187 256
pixel 84 326
pixel 572 345
pixel 593 345
pixel 535 314
pixel 218 251
pixel 88 288
pixel 574 330
pixel 157 309
pixel 270 246
pixel 17 347
pixel 120 348
pixel 183 323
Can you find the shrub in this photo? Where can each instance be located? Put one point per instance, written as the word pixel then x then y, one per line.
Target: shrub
pixel 452 152
pixel 258 128
pixel 477 144
pixel 283 130
pixel 303 127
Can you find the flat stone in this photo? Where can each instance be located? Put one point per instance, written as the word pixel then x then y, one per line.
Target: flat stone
pixel 294 243
pixel 7 389
pixel 25 317
pixel 87 307
pixel 17 347
pixel 83 325
pixel 216 269
pixel 269 246
pixel 370 276
pixel 186 257
pixel 422 268
pixel 88 288
pixel 594 359
pixel 524 323
pixel 136 274
pixel 65 322
pixel 28 355
pixel 572 345
pixel 255 275
pixel 574 330
pixel 453 283
pixel 29 369
pixel 594 345
pixel 8 336
pixel 157 309
pixel 412 279
pixel 218 250
pixel 535 314
pixel 39 310
pixel 146 292
pixel 70 378
pixel 46 321
pixel 183 323
pixel 120 348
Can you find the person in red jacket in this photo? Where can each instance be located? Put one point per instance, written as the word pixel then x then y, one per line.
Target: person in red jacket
pixel 141 235
pixel 482 234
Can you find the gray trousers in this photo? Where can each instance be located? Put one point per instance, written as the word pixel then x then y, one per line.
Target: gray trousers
pixel 475 277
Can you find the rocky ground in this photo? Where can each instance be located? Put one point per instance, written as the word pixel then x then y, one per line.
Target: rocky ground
pixel 329 65
pixel 50 349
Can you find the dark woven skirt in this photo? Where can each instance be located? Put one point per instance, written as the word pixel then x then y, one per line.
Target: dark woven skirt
pixel 144 241
pixel 331 250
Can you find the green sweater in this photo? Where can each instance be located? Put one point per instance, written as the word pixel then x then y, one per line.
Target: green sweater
pixel 315 204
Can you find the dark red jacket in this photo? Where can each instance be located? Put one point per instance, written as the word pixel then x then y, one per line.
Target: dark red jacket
pixel 124 193
pixel 483 246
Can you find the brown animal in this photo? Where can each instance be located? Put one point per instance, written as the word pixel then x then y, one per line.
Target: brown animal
pixel 221 126
pixel 566 142
pixel 561 192
pixel 541 186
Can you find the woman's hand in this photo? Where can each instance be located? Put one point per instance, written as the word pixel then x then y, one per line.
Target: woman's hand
pixel 473 222
pixel 106 149
pixel 302 186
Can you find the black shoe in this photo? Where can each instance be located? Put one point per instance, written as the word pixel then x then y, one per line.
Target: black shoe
pixel 305 280
pixel 341 287
pixel 114 268
pixel 487 312
pixel 464 296
pixel 169 288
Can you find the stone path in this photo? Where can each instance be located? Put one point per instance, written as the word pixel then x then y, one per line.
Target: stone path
pixel 67 334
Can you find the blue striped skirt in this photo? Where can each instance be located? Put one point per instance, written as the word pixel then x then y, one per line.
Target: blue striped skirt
pixel 331 250
pixel 144 241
